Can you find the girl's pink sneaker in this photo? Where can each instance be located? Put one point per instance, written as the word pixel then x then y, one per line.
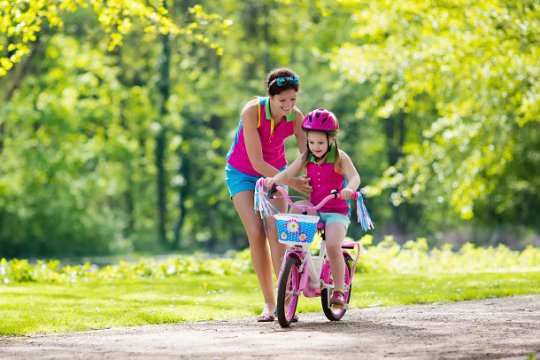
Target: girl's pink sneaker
pixel 338 299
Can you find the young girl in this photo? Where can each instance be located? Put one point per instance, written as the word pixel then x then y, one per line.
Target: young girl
pixel 328 168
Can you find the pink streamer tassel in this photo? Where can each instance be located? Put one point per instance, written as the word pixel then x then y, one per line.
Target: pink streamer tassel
pixel 363 215
pixel 261 202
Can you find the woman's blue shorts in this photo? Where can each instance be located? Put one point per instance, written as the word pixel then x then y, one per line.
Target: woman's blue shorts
pixel 238 181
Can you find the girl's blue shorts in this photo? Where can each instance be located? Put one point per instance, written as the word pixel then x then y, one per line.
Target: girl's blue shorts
pixel 238 181
pixel 328 218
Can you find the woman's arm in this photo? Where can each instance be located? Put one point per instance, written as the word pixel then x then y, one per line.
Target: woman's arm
pixel 253 141
pixel 353 178
pixel 299 133
pixel 287 176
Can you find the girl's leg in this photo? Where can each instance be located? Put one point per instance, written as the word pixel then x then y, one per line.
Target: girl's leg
pixel 335 234
pixel 277 249
pixel 260 257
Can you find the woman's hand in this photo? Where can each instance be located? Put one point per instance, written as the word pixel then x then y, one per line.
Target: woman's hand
pixel 346 193
pixel 301 184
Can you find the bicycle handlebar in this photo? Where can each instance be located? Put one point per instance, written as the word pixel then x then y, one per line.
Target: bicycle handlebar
pixel 263 206
pixel 334 195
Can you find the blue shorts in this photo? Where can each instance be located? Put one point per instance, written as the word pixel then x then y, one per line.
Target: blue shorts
pixel 329 218
pixel 238 181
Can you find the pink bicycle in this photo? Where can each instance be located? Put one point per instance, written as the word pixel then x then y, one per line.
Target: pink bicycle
pixel 301 272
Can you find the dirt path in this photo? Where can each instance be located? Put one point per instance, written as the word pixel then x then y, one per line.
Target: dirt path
pixel 506 328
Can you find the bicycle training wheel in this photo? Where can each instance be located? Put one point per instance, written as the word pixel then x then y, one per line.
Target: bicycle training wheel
pixel 335 314
pixel 288 292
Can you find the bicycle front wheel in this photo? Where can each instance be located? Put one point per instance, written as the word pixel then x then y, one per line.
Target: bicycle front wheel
pixel 288 292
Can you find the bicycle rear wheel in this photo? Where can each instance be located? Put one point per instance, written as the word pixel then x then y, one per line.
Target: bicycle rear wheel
pixel 335 314
pixel 288 292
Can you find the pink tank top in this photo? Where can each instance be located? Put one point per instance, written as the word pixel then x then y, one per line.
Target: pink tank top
pixel 323 179
pixel 272 141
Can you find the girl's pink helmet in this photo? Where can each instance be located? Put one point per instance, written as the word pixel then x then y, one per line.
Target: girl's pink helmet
pixel 320 120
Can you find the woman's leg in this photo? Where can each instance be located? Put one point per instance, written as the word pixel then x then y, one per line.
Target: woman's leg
pixel 335 234
pixel 260 257
pixel 277 249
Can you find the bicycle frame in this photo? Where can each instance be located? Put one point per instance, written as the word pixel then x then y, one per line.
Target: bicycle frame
pixel 316 278
pixel 310 285
pixel 299 273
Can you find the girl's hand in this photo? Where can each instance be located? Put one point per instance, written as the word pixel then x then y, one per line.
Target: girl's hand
pixel 346 193
pixel 301 184
pixel 268 182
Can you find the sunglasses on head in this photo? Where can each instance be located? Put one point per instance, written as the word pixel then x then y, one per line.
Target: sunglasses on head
pixel 284 80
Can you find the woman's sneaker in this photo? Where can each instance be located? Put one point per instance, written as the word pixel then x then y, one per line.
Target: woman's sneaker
pixel 338 299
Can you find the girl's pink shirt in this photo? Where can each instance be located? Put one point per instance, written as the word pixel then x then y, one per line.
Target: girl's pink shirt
pixel 272 144
pixel 323 179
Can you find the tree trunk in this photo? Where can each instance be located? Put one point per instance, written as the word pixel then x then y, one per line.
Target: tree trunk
pixel 183 191
pixel 161 138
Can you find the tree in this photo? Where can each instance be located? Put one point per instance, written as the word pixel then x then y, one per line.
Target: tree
pixel 77 166
pixel 471 70
pixel 21 21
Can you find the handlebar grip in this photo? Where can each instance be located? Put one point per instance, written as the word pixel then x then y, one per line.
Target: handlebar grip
pixel 355 195
pixel 272 192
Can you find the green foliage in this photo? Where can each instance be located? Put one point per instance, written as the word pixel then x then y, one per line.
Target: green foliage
pixel 471 70
pixel 17 271
pixel 73 150
pixel 22 21
pixel 82 109
pixel 387 257
pixel 78 169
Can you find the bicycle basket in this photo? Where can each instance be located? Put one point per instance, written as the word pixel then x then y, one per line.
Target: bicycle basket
pixel 296 228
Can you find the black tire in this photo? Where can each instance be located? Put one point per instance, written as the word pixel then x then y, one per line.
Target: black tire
pixel 336 314
pixel 288 292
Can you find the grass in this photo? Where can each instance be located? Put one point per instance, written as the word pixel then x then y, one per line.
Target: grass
pixel 29 308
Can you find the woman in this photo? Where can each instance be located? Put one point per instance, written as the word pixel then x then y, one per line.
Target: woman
pixel 258 151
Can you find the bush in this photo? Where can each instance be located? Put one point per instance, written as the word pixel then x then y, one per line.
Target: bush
pixel 385 257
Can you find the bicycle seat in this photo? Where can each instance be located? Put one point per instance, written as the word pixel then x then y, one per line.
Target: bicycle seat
pixel 348 245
